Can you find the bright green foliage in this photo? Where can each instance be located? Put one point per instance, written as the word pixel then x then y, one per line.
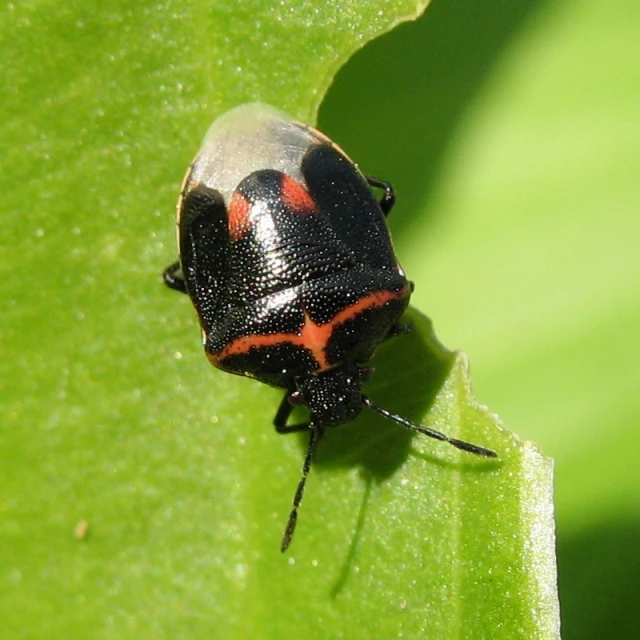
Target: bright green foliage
pixel 511 133
pixel 112 416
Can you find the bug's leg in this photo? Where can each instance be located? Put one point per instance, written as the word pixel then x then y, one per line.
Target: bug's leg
pixel 398 329
pixel 388 199
pixel 282 415
pixel 173 277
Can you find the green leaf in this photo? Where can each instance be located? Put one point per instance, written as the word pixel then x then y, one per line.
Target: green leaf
pixel 511 134
pixel 144 493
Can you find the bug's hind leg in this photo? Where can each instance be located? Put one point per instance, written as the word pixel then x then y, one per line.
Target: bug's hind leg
pixel 388 199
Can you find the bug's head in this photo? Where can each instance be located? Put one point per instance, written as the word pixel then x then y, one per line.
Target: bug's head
pixel 333 397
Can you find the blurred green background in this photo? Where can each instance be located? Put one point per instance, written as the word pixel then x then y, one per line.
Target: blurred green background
pixel 511 132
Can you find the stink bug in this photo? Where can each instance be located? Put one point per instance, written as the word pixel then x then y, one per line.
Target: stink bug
pixel 286 256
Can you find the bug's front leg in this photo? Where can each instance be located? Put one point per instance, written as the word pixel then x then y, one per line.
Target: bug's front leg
pixel 282 415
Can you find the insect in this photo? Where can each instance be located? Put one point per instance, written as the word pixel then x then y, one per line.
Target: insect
pixel 286 256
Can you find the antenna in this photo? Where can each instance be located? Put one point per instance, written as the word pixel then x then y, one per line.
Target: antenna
pixel 315 433
pixel 432 433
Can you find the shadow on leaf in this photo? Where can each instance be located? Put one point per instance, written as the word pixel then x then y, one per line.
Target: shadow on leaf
pixel 430 71
pixel 599 576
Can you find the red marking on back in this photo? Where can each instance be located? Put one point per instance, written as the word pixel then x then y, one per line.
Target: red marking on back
pixel 239 209
pixel 312 336
pixel 295 196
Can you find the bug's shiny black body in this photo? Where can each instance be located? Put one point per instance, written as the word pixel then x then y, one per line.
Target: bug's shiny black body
pixel 286 255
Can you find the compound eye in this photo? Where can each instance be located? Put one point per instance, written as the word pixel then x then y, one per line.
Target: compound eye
pixel 366 373
pixel 296 398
